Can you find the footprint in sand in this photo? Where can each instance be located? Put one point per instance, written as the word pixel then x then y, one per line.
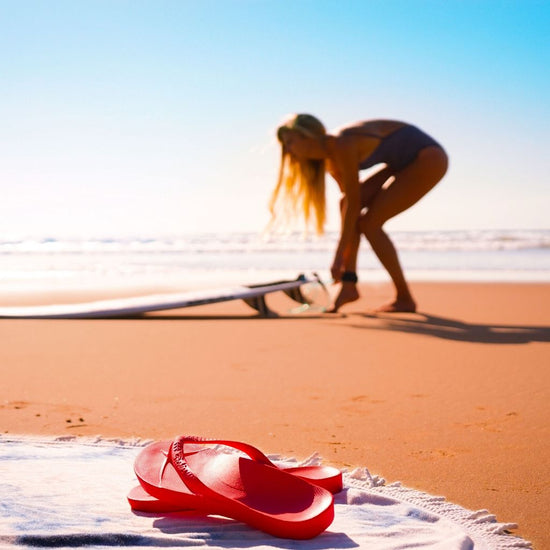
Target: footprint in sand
pixel 15 405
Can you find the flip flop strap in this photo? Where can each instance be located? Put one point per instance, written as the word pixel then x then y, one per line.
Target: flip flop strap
pixel 251 451
pixel 177 457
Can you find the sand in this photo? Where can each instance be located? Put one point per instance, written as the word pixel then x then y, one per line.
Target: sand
pixel 453 401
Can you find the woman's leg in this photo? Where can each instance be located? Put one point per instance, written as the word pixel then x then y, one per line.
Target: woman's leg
pixel 410 185
pixel 369 188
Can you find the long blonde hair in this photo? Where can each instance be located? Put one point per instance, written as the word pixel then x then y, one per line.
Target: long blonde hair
pixel 300 187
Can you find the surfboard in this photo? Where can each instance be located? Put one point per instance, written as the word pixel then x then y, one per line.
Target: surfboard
pixel 253 295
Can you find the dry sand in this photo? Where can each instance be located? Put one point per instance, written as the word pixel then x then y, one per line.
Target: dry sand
pixel 453 401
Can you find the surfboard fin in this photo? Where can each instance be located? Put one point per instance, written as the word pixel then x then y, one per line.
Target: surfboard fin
pixel 259 304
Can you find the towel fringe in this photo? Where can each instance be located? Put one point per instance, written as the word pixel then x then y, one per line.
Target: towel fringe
pixel 481 525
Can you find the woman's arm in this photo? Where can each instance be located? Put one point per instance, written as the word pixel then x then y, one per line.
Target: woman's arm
pixel 346 252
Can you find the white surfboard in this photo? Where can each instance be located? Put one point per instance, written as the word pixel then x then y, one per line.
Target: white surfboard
pixel 253 295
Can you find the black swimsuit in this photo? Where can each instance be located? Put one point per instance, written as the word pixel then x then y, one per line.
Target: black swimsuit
pixel 399 148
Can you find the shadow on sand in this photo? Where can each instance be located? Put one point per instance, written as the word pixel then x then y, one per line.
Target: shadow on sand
pixel 452 329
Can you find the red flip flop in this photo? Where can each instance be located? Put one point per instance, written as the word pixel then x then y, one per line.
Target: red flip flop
pixel 265 497
pixel 153 459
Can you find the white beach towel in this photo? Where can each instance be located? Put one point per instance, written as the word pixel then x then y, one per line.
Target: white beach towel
pixel 71 492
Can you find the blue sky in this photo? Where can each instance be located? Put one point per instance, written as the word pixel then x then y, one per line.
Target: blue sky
pixel 152 117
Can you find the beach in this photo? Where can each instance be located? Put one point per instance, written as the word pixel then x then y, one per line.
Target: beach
pixel 453 400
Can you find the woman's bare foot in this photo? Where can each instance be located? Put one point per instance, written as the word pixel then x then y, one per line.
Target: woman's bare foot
pixel 348 293
pixel 407 305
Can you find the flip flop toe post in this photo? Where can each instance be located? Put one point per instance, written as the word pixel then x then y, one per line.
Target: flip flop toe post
pixel 159 480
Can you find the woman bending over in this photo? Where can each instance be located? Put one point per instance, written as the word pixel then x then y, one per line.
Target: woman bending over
pixel 413 164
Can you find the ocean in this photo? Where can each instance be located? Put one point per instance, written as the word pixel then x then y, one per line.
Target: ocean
pixel 208 260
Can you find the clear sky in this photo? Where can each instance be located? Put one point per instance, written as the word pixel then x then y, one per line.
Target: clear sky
pixel 134 117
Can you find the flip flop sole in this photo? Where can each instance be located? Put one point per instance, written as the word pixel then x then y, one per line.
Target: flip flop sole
pixel 141 501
